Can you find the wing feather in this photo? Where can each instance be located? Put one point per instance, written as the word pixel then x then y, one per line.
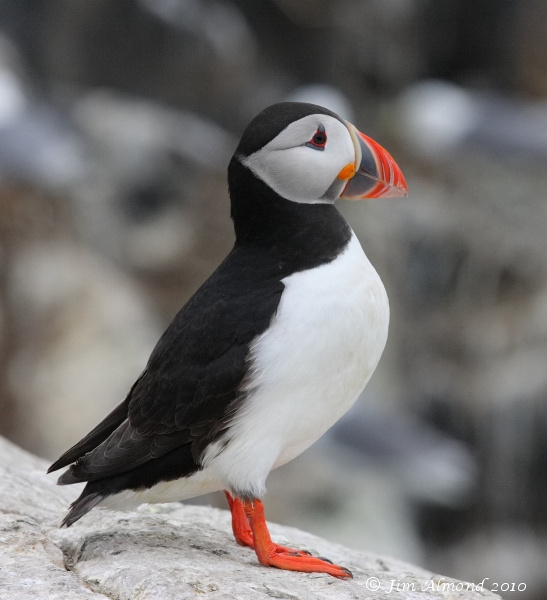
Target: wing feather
pixel 94 437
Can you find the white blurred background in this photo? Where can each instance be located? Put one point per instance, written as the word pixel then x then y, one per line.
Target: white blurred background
pixel 117 121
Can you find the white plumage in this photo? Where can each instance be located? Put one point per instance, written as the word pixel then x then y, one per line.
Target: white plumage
pixel 306 371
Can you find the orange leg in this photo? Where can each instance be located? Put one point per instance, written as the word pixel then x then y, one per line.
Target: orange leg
pixel 241 528
pixel 240 525
pixel 271 554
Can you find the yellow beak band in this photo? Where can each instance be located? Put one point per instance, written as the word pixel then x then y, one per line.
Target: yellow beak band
pixel 347 172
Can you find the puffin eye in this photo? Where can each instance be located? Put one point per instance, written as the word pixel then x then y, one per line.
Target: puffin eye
pixel 319 139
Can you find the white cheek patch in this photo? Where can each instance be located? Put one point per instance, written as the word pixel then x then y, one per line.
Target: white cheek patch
pixel 299 173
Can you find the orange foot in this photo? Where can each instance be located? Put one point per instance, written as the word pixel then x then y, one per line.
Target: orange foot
pixel 250 529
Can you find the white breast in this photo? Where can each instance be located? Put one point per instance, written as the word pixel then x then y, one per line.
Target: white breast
pixel 307 369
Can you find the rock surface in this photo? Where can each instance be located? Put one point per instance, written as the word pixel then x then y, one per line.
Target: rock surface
pixel 168 551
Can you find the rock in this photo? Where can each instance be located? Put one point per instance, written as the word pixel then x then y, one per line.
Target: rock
pixel 168 551
pixel 31 566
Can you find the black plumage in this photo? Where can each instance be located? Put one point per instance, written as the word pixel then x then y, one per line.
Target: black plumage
pixel 190 389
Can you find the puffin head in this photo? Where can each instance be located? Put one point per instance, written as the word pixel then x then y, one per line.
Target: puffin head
pixel 307 154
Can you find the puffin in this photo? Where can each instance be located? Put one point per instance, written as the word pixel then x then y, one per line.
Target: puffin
pixel 271 350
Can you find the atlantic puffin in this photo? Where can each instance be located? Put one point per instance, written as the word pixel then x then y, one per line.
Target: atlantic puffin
pixel 270 351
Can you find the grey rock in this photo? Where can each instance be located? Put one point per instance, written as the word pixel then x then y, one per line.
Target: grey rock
pixel 31 566
pixel 168 551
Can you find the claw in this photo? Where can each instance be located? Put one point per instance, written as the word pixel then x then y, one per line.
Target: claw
pixel 349 574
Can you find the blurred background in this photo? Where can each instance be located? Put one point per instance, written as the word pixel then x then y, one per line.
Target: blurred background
pixel 117 122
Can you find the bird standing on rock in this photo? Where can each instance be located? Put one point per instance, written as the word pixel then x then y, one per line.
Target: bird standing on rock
pixel 273 348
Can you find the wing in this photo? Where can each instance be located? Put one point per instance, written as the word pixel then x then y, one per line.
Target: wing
pixel 97 435
pixel 189 389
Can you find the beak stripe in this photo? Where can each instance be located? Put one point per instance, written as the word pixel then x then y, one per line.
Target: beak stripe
pixel 378 175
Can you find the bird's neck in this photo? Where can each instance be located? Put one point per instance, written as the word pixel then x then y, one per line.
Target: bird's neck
pixel 262 217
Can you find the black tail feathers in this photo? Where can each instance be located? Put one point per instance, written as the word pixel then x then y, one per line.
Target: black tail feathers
pixel 81 506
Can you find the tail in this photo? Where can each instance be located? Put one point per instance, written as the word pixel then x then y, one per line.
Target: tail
pixel 81 506
pixel 92 495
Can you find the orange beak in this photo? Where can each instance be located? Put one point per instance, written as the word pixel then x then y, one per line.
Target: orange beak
pixel 376 174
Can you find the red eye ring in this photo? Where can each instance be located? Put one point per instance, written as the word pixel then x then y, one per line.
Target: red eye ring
pixel 318 140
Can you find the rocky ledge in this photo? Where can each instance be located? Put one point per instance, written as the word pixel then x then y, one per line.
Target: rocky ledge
pixel 169 552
